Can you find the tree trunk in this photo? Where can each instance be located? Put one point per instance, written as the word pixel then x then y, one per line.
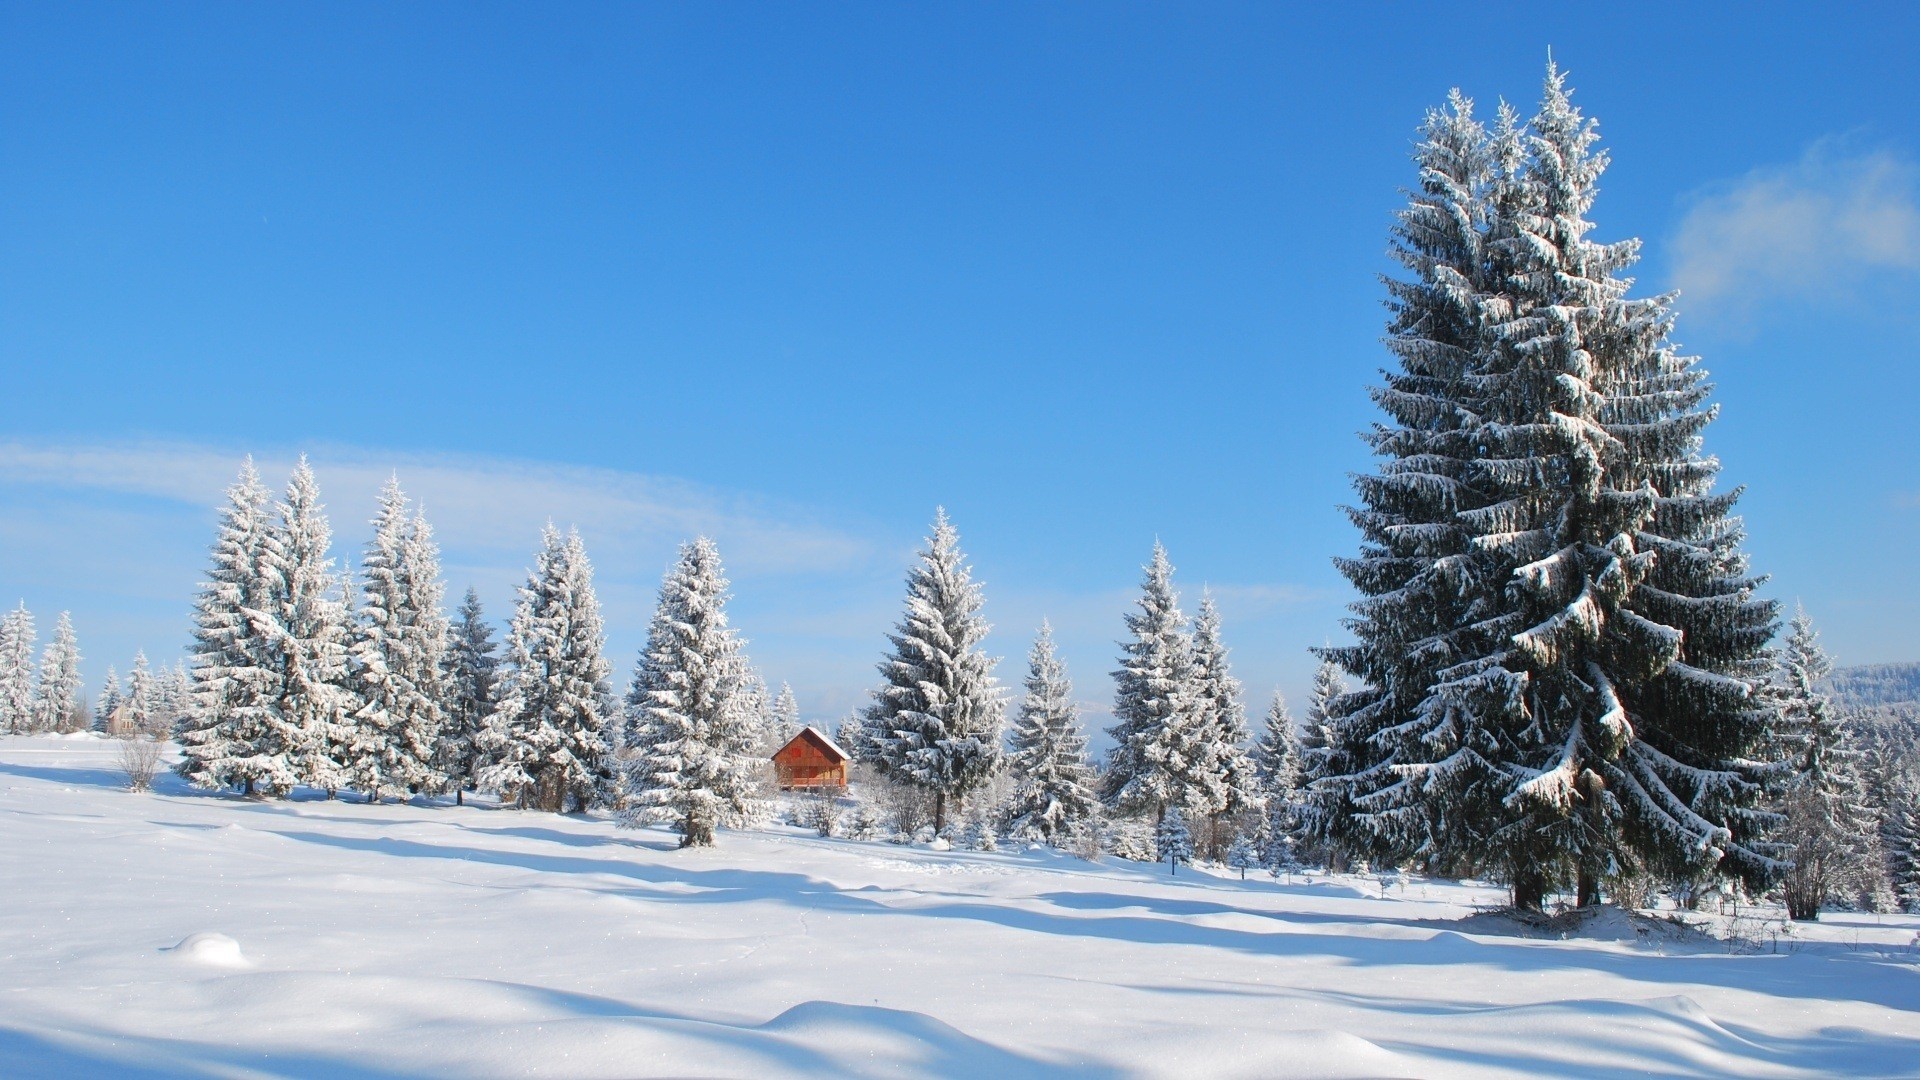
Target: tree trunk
pixel 1592 791
pixel 1529 889
pixel 550 793
pixel 1587 892
pixel 459 797
pixel 939 812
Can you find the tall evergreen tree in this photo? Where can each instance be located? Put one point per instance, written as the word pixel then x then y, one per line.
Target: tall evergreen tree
pixel 400 639
pixel 1053 782
pixel 700 768
pixel 785 718
pixel 1160 755
pixel 471 665
pixel 1276 753
pixel 110 698
pixel 760 708
pixel 1830 833
pixel 232 735
pixel 1593 705
pixel 547 741
pixel 57 701
pixel 140 695
pixel 1325 785
pixel 16 670
pixel 306 629
pixel 1899 838
pixel 1276 768
pixel 936 722
pixel 1227 784
pixel 174 689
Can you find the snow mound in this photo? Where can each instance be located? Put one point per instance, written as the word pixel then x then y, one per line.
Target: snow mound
pixel 210 949
pixel 1319 1052
pixel 899 1042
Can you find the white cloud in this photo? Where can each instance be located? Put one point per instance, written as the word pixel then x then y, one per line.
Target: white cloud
pixel 481 508
pixel 1811 230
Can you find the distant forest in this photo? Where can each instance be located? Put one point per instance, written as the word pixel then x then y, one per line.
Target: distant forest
pixel 1875 685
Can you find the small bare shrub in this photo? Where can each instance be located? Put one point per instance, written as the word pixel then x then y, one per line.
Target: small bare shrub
pixel 1083 839
pixel 1632 890
pixel 139 760
pixel 823 811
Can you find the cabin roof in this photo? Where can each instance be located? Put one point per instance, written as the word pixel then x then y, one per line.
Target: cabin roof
pixel 819 738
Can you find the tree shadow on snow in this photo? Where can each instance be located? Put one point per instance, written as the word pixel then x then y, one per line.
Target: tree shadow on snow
pixel 70 775
pixel 1166 922
pixel 26 1055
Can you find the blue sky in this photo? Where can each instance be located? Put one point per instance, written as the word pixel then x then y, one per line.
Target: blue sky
pixel 794 275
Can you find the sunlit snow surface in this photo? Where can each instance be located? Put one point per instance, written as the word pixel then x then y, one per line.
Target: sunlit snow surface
pixel 180 933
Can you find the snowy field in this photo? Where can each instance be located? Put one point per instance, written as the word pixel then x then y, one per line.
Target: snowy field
pixel 335 939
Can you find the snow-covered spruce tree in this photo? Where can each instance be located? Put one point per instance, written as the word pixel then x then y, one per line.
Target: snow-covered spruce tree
pixel 1324 785
pixel 1231 786
pixel 161 704
pixel 547 741
pixel 936 722
pixel 1830 834
pixel 1899 838
pixel 1053 783
pixel 1160 755
pixel 1276 768
pixel 140 696
pixel 700 768
pixel 1593 706
pixel 16 670
pixel 305 626
pixel 1172 840
pixel 178 686
pixel 1276 753
pixel 110 698
pixel 57 701
pixel 232 735
pixel 399 641
pixel 1244 852
pixel 470 666
pixel 852 736
pixel 784 719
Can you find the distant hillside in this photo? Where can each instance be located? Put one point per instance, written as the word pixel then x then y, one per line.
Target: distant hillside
pixel 1884 701
pixel 1874 685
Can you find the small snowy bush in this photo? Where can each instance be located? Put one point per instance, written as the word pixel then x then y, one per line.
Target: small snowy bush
pixel 139 760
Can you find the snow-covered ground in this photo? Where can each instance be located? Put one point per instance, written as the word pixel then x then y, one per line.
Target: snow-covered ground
pixel 178 933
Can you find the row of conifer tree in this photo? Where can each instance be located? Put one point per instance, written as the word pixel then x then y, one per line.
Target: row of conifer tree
pixel 51 696
pixel 294 686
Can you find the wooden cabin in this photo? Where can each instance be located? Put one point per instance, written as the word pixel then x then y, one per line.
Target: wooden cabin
pixel 809 762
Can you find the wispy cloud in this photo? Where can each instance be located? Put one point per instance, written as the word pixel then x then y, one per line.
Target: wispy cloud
pixel 482 508
pixel 1811 230
pixel 1254 601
